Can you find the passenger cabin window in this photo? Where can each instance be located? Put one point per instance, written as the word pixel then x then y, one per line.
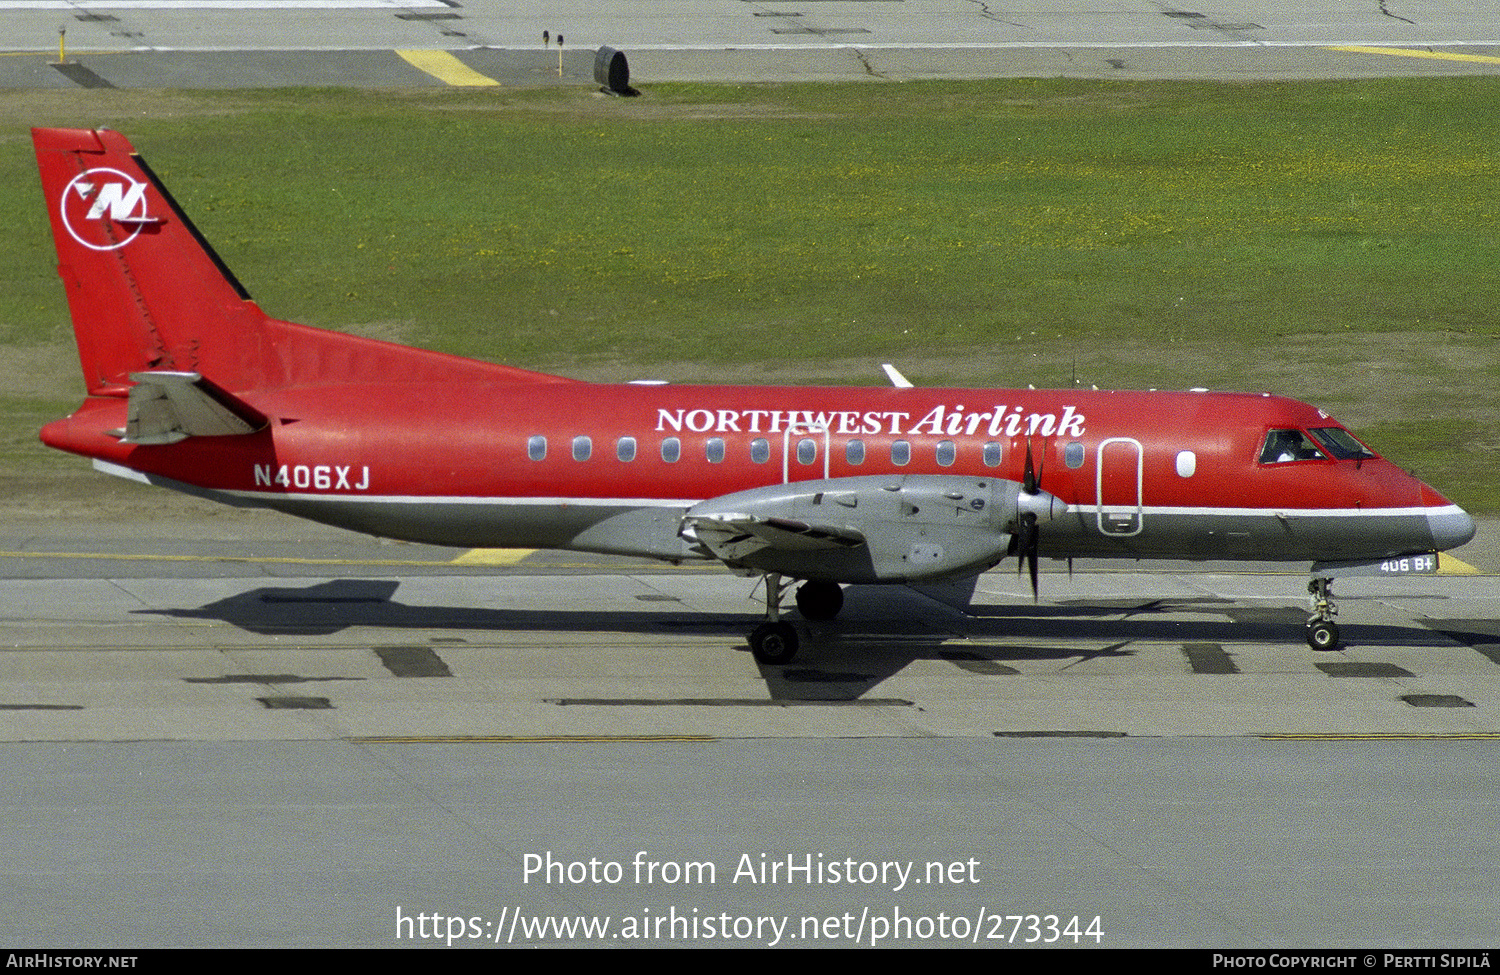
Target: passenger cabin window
pixel 625 449
pixel 714 450
pixel 1287 446
pixel 992 454
pixel 583 448
pixel 1073 455
pixel 536 448
pixel 671 450
pixel 760 450
pixel 807 451
pixel 900 453
pixel 946 453
pixel 1341 443
pixel 854 452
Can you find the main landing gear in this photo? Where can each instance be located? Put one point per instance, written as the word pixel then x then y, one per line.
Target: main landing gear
pixel 820 600
pixel 1322 631
pixel 775 641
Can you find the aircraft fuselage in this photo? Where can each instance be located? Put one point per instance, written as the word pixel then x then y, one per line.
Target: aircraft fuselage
pixel 612 468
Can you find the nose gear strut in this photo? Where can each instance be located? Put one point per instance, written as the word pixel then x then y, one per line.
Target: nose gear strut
pixel 1322 631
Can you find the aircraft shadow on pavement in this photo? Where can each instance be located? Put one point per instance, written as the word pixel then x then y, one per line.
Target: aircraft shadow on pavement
pixel 882 632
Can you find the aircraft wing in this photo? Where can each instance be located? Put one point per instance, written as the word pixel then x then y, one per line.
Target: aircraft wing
pixel 732 537
pixel 166 407
pixel 882 528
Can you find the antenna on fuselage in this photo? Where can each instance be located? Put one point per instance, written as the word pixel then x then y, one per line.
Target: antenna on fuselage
pixel 894 374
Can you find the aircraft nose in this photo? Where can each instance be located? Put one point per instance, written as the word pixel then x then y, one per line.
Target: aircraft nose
pixel 1451 526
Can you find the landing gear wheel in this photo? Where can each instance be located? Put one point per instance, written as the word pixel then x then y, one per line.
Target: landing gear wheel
pixel 774 643
pixel 1322 635
pixel 1322 631
pixel 820 600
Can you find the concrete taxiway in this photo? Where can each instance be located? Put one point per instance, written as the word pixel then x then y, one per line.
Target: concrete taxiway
pixel 250 731
pixel 325 635
pixel 201 43
pixel 1226 843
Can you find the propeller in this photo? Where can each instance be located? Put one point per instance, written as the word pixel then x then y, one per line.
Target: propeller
pixel 1026 542
pixel 1027 538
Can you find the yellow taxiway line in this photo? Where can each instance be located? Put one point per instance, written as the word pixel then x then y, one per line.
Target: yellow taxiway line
pixel 474 557
pixel 1450 566
pixel 1381 736
pixel 255 559
pixel 492 556
pixel 446 68
pixel 1404 52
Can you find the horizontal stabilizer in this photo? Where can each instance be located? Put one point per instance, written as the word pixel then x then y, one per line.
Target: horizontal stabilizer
pixel 166 407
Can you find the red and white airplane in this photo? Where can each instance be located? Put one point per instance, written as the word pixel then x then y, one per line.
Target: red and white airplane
pixel 191 386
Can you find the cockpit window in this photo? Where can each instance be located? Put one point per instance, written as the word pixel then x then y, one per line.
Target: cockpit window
pixel 1285 446
pixel 1341 444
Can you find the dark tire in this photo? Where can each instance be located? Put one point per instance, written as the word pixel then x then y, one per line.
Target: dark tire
pixel 774 643
pixel 1322 635
pixel 820 600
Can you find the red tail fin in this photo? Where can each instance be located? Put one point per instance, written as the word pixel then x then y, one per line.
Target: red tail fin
pixel 148 293
pixel 135 269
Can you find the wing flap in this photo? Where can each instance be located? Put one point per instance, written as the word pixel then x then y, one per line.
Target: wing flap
pixel 731 537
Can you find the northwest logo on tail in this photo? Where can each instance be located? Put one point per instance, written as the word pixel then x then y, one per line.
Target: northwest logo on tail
pixel 104 209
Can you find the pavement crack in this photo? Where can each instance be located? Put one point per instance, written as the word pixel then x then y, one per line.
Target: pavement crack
pixel 865 62
pixel 129 594
pixel 1385 11
pixel 986 13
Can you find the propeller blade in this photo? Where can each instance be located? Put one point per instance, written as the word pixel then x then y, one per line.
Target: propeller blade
pixel 1027 542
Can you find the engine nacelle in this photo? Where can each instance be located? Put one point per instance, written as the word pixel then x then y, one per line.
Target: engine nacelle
pixel 896 528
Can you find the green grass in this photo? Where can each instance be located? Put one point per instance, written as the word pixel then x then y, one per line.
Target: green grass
pixel 1333 241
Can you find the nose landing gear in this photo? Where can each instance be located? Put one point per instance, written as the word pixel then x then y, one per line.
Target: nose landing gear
pixel 1322 631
